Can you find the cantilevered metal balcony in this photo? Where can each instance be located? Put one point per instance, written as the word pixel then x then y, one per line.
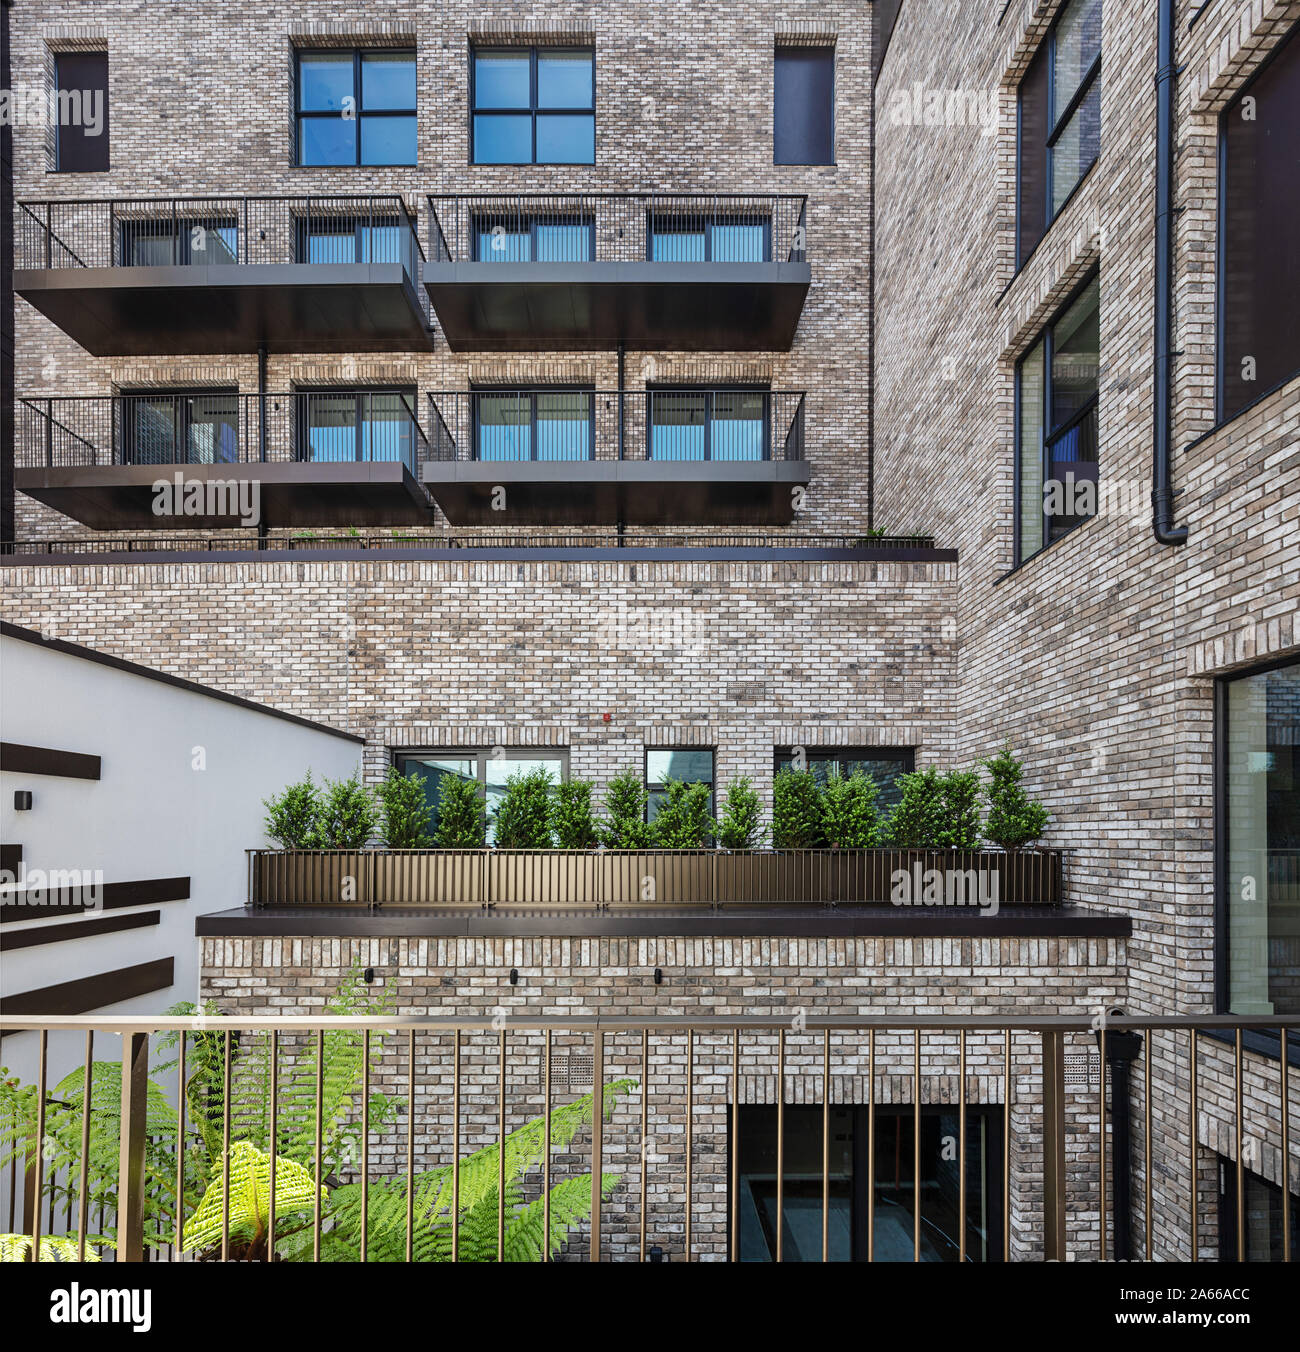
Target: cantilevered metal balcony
pixel 208 459
pixel 659 457
pixel 226 274
pixel 695 272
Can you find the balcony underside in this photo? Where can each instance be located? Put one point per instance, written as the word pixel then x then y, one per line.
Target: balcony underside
pixel 695 307
pixel 607 492
pixel 127 312
pixel 121 497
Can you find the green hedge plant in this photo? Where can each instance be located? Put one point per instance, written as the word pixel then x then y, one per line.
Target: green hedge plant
pixel 739 827
pixel 1015 819
pixel 796 810
pixel 961 811
pixel 625 826
pixel 462 817
pixel 683 821
pixel 348 815
pixel 523 817
pixel 571 816
pixel 291 815
pixel 403 811
pixel 918 820
pixel 850 818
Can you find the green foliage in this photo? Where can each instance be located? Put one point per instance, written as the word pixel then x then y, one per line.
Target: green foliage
pixel 403 811
pixel 572 816
pixel 250 1202
pixel 1014 819
pixel 625 826
pixel 476 1221
pixel 850 819
pixel 920 816
pixel 462 817
pixel 292 814
pixel 739 827
pixel 961 810
pixel 683 821
pixel 796 810
pixel 347 817
pixel 54 1249
pixel 523 818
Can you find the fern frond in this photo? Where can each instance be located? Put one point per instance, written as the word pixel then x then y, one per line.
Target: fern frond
pixel 250 1197
pixel 54 1249
pixel 570 1206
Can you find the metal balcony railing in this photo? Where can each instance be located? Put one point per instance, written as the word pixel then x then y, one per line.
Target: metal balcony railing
pixel 216 427
pixel 567 424
pixel 214 231
pixel 656 227
pixel 1112 1167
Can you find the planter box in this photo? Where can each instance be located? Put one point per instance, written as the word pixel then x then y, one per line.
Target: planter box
pixel 558 878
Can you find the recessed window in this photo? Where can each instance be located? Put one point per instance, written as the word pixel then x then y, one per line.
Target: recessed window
pixel 179 427
pixel 1262 1209
pixel 351 425
pixel 81 88
pixel 803 106
pixel 356 107
pixel 556 424
pixel 661 765
pixel 533 105
pixel 170 241
pixel 1056 425
pixel 884 764
pixel 1259 794
pixel 891 1178
pixel 352 239
pixel 709 424
pixel 534 239
pixel 1059 136
pixel 715 239
pixel 1259 233
pixel 484 768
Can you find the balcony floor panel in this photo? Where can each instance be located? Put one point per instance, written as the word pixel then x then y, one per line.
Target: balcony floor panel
pixel 607 492
pixel 699 307
pixel 127 312
pixel 120 497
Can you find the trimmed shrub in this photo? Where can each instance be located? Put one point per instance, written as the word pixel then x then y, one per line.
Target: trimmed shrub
pixel 403 811
pixel 348 815
pixel 291 815
pixel 625 826
pixel 961 810
pixel 796 810
pixel 850 818
pixel 523 818
pixel 571 816
pixel 683 821
pixel 462 816
pixel 1014 819
pixel 919 818
pixel 739 827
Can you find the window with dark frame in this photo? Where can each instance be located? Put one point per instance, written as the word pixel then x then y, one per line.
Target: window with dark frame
pixel 179 427
pixel 81 88
pixel 693 766
pixel 352 239
pixel 884 764
pixel 1057 389
pixel 199 241
pixel 1258 841
pixel 846 1166
pixel 338 426
pixel 1259 232
pixel 482 767
pixel 1261 1204
pixel 743 237
pixel 1058 121
pixel 803 105
pixel 354 107
pixel 532 105
pixel 707 424
pixel 534 239
pixel 544 424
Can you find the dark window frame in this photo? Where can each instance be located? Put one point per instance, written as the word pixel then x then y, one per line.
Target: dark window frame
pixel 709 391
pixel 356 54
pixel 1221 417
pixel 486 222
pixel 659 786
pixel 131 400
pixel 1050 436
pixel 179 230
pixel 1227 1193
pixel 1055 126
pixel 661 225
pixel 482 756
pixel 832 49
pixel 302 427
pixel 531 394
pixel 60 153
pixel 903 755
pixel 532 111
pixel 1261 1041
pixel 306 227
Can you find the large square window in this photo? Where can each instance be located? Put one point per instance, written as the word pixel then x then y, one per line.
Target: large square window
pixel 488 769
pixel 1059 120
pixel 533 105
pixel 552 424
pixel 355 107
pixel 661 765
pixel 357 425
pixel 178 427
pixel 883 764
pixel 709 424
pixel 1056 425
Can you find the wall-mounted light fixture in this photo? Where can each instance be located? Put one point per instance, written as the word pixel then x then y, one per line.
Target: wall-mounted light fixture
pixel 514 976
pixel 659 976
pixel 22 800
pixel 370 975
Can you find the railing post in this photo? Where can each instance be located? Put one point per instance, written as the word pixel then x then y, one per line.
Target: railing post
pixel 1054 1146
pixel 130 1167
pixel 597 1137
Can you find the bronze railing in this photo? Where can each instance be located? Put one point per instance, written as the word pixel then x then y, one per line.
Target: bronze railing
pixel 926 879
pixel 464 1084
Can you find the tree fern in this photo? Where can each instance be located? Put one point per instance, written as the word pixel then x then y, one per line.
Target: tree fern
pixel 54 1249
pixel 250 1201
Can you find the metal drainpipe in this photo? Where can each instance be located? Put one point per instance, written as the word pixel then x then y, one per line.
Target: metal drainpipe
pixel 1162 494
pixel 261 432
pixel 622 386
pixel 1122 1049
